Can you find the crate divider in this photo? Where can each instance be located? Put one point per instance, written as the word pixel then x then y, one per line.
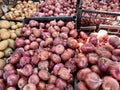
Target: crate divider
pixel 48 19
pixel 12 20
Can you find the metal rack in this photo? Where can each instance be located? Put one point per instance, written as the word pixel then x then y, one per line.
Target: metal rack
pixel 103 22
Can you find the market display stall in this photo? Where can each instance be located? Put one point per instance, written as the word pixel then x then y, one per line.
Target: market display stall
pixel 60 45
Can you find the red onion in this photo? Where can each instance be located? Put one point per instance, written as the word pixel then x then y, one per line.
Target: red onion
pixel 33 79
pixel 14 58
pixel 27 41
pixel 57 68
pixel 60 83
pixel 22 82
pixel 12 79
pixel 24 60
pixel 2 85
pixel 19 42
pixel 8 67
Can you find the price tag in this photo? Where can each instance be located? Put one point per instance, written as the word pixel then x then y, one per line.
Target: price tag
pixel 1 12
pixel 4 8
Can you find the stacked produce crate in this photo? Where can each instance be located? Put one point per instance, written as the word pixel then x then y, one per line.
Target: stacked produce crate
pixel 60 45
pixel 100 20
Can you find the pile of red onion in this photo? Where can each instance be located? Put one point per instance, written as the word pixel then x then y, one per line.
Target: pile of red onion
pixel 98 61
pixel 56 8
pixel 100 5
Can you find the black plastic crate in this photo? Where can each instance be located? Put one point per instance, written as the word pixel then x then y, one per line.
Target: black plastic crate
pixel 14 2
pixel 95 17
pixel 48 19
pixel 80 2
pixel 109 21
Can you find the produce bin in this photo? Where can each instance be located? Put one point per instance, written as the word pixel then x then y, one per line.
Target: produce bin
pixel 111 29
pixel 48 19
pixel 88 17
pixel 110 20
pixel 18 12
pixel 56 8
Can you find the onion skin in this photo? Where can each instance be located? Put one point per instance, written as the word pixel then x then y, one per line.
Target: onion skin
pixel 93 40
pixel 43 65
pixel 100 51
pixel 43 55
pixel 60 23
pixel 57 67
pixel 56 88
pixel 114 70
pixel 81 86
pixel 12 80
pixel 92 58
pixel 44 75
pixel 73 33
pixel 114 41
pixel 34 60
pixel 64 73
pixel 108 47
pixel 82 62
pixel 27 70
pixel 104 63
pixel 55 58
pixel 65 29
pixel 96 69
pixel 22 82
pixel 115 58
pixel 24 60
pixel 90 80
pixel 19 42
pixel 116 52
pixel 37 32
pixel 59 49
pixel 72 43
pixel 34 45
pixel 41 85
pixel 83 35
pixel 111 83
pixel 71 65
pixel 2 85
pixel 52 79
pixel 65 56
pixel 33 23
pixel 14 58
pixel 11 88
pixel 60 84
pixel 1 73
pixel 70 25
pixel 33 79
pixel 50 87
pixel 69 87
pixel 88 48
pixel 30 86
pixel 7 73
pixel 8 67
pixel 81 75
pixel 71 51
